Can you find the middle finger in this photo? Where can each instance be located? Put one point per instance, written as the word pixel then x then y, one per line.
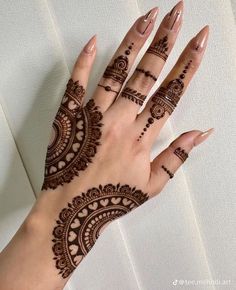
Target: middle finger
pixel 153 61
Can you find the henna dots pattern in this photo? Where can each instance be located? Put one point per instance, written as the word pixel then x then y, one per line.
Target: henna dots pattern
pixel 81 222
pixel 75 136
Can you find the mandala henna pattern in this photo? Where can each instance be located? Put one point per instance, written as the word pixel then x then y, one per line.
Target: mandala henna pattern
pixel 81 222
pixel 160 48
pixel 166 99
pixel 74 139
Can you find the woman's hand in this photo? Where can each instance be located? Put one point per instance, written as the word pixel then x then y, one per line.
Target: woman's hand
pixel 98 160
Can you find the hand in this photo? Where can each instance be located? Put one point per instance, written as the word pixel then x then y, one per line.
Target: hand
pixel 98 160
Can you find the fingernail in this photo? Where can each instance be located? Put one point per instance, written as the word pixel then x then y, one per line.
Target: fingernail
pixel 146 22
pixel 202 137
pixel 173 18
pixel 199 42
pixel 90 46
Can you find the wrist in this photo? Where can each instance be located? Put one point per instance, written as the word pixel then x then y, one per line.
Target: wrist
pixel 30 253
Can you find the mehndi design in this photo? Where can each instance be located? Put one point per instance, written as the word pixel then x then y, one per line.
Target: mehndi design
pixel 147 73
pixel 166 99
pixel 118 70
pixel 81 222
pixel 171 175
pixel 133 96
pixel 181 154
pixel 108 89
pixel 160 48
pixel 74 139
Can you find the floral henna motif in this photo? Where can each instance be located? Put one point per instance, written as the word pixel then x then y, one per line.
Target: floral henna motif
pixel 160 48
pixel 166 99
pixel 133 96
pixel 81 222
pixel 75 136
pixel 73 96
pixel 118 70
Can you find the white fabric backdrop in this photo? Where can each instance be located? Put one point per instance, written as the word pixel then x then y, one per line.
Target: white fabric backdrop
pixel 188 232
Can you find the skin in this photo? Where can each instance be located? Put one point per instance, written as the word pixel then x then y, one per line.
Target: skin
pixel 120 154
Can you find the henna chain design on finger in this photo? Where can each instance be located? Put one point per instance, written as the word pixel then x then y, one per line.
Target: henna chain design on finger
pixel 160 48
pixel 166 99
pixel 133 96
pixel 74 140
pixel 171 175
pixel 118 70
pixel 181 153
pixel 146 73
pixel 108 89
pixel 81 222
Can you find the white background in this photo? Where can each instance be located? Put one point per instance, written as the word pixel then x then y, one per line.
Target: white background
pixel 187 232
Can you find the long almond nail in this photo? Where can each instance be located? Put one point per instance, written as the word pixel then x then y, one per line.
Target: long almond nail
pixel 146 22
pixel 199 42
pixel 173 19
pixel 202 137
pixel 90 46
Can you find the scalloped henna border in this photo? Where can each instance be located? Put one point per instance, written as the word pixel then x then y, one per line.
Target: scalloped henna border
pixel 67 213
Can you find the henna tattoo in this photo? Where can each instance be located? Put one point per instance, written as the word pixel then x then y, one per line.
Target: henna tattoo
pixel 73 96
pixel 118 70
pixel 160 48
pixel 171 175
pixel 133 96
pixel 181 153
pixel 108 89
pixel 146 73
pixel 74 138
pixel 166 99
pixel 81 222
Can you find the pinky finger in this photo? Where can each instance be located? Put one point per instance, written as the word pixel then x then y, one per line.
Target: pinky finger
pixel 84 63
pixel 164 166
pixel 76 86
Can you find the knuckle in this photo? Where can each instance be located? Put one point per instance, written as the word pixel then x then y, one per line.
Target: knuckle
pixel 112 133
pixel 108 82
pixel 141 82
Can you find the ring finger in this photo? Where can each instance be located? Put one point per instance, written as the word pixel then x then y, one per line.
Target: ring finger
pixel 165 99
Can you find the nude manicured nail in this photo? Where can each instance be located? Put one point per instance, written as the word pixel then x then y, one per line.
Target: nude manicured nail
pixel 173 18
pixel 146 22
pixel 199 42
pixel 202 137
pixel 90 46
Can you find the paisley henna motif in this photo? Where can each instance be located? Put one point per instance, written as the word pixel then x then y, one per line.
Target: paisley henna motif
pixel 74 139
pixel 118 71
pixel 166 99
pixel 81 222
